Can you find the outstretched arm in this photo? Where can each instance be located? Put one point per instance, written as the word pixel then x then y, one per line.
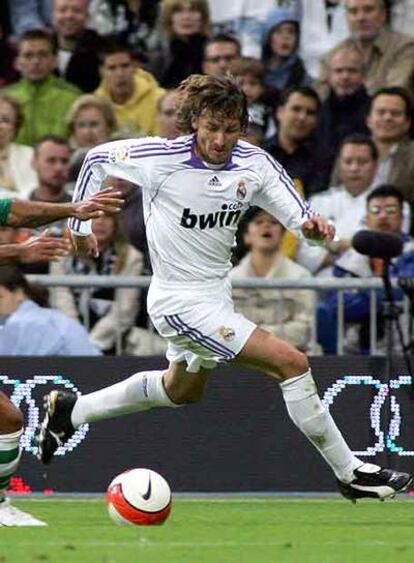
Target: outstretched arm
pixel 43 248
pixel 34 213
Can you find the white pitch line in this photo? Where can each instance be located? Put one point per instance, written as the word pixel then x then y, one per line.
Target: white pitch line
pixel 144 543
pixel 230 500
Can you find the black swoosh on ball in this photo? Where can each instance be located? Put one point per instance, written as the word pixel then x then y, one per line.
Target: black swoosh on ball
pixel 147 495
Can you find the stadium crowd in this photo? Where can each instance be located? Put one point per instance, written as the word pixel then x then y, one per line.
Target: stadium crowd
pixel 329 85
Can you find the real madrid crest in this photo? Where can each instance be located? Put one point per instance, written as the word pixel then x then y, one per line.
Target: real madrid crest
pixel 241 191
pixel 226 333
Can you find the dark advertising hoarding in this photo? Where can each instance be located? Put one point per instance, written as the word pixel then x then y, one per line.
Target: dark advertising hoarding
pixel 239 438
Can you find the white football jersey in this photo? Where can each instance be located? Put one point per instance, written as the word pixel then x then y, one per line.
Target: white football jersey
pixel 192 209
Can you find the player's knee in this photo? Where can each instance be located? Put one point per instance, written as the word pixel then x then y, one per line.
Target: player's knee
pixel 188 396
pixel 295 365
pixel 186 393
pixel 185 389
pixel 11 418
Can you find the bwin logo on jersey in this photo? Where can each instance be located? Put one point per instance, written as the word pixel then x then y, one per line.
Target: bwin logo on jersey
pixel 214 182
pixel 228 216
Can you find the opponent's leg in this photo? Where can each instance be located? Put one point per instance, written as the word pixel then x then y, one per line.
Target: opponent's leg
pixel 65 411
pixel 282 361
pixel 11 427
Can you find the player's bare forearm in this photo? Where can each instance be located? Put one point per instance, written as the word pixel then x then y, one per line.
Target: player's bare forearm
pixel 35 213
pixel 42 248
pixel 9 253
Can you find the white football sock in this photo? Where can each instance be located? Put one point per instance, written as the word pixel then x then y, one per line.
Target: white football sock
pixel 10 454
pixel 140 392
pixel 312 417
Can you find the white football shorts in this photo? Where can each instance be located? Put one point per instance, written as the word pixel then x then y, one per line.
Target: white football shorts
pixel 198 321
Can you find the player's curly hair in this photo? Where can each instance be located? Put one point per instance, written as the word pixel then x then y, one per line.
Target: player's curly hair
pixel 218 95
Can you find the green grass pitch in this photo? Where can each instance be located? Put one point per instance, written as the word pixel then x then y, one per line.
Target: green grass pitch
pixel 263 530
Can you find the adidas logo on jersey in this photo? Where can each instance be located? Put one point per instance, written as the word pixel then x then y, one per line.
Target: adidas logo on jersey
pixel 214 182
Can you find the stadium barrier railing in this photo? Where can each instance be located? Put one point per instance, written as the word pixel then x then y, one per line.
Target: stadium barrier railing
pixel 88 282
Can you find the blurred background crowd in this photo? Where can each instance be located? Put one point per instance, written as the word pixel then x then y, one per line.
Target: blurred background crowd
pixel 329 85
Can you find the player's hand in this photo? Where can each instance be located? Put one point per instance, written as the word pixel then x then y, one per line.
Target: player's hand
pixel 318 228
pixel 106 202
pixel 43 248
pixel 85 247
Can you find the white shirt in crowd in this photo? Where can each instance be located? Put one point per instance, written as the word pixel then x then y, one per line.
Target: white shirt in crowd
pixel 348 212
pixel 286 313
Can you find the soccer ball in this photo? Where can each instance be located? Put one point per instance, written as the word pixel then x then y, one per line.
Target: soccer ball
pixel 139 497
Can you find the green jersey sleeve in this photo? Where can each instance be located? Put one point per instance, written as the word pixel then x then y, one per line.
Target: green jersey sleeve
pixel 5 205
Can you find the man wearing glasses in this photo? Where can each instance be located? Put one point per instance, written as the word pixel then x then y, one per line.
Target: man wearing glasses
pixel 384 213
pixel 219 52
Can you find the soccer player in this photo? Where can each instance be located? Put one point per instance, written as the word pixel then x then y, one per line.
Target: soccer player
pixel 196 188
pixel 18 213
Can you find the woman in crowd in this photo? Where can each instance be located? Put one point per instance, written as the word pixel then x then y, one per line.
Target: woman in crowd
pixel 283 66
pixel 17 176
pixel 109 312
pixel 185 26
pixel 91 121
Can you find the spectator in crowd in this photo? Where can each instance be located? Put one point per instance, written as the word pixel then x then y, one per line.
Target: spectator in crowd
pixel 385 214
pixel 284 67
pixel 389 121
pixel 345 109
pixel 30 14
pixel 132 92
pixel 167 115
pixel 388 55
pixel 323 25
pixel 219 52
pixel 345 204
pixel 109 312
pixel 51 162
pixel 284 313
pixel 17 175
pixel 91 121
pixel 78 46
pixel 261 101
pixel 294 143
pixel 51 332
pixel 185 28
pixel 45 99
